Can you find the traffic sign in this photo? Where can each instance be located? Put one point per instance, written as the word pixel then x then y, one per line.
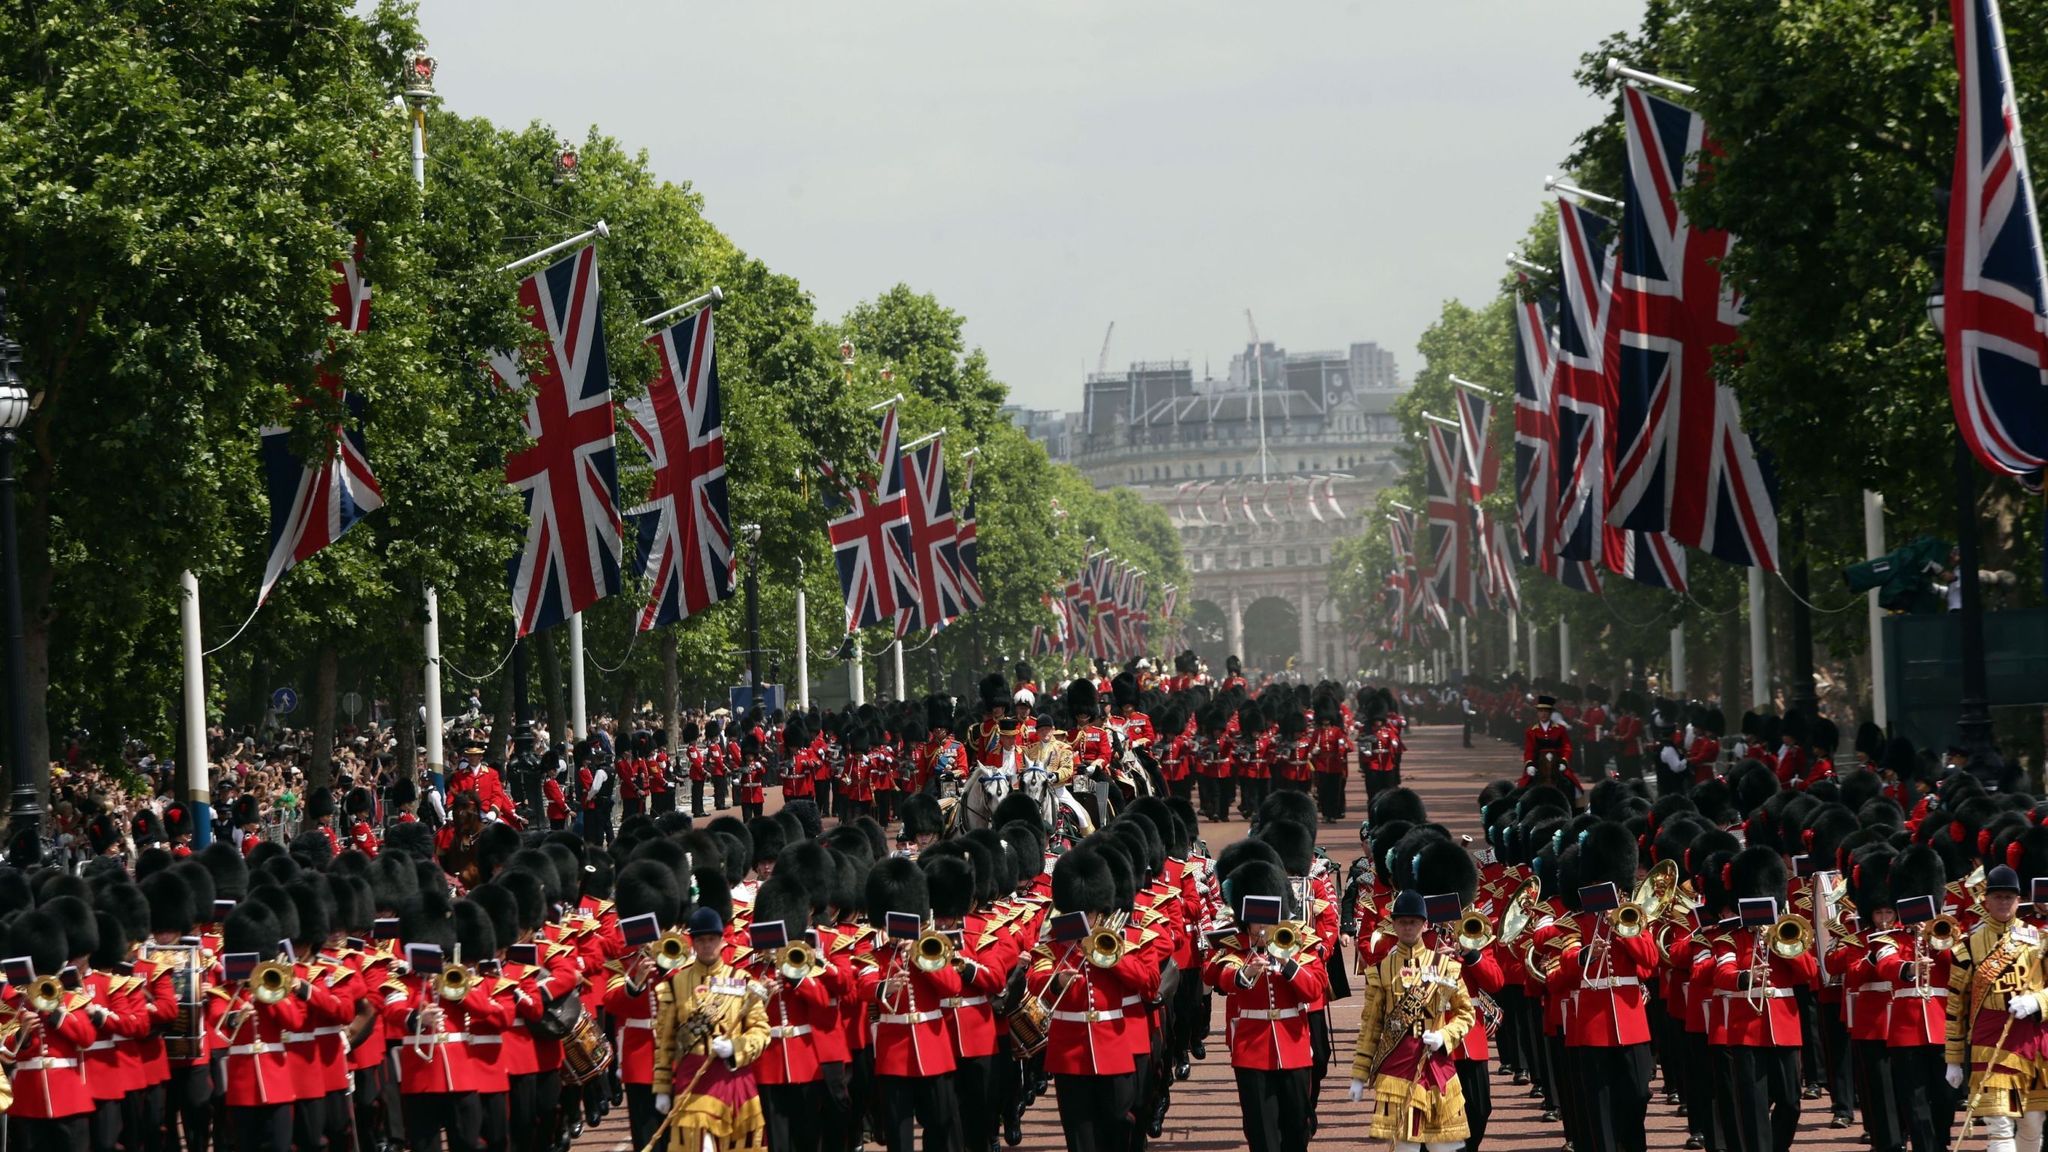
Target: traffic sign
pixel 352 703
pixel 284 701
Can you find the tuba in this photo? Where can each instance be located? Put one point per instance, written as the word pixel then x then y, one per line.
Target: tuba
pixel 1523 912
pixel 1657 888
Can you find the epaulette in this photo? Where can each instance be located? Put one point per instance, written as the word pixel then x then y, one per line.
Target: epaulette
pixel 217 990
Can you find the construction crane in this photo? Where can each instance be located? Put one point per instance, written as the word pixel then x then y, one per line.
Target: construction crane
pixel 1102 358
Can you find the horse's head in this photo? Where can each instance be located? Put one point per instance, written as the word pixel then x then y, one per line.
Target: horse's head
pixel 1035 780
pixel 995 783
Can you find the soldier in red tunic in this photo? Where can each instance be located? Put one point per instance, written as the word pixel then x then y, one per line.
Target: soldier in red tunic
pixel 1330 753
pixel 914 1059
pixel 52 1105
pixel 752 792
pixel 1268 998
pixel 1548 735
pixel 1604 975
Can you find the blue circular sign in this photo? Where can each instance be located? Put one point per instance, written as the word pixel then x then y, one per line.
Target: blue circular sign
pixel 284 701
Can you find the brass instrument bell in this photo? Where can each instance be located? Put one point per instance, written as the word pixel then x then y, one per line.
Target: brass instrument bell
pixel 1941 934
pixel 1474 932
pixel 270 983
pixel 1791 937
pixel 46 994
pixel 672 950
pixel 933 951
pixel 1657 888
pixel 797 960
pixel 453 982
pixel 1284 941
pixel 1627 921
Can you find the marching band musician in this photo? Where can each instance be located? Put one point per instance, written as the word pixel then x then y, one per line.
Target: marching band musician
pixel 1251 758
pixel 1994 1014
pixel 1089 995
pixel 801 764
pixel 1603 974
pixel 802 1006
pixel 431 1011
pixel 644 888
pixel 913 1055
pixel 1267 991
pixel 1754 984
pixel 710 1027
pixel 42 1041
pixel 1896 1037
pixel 1448 872
pixel 984 960
pixel 251 1033
pixel 1414 1016
pixel 1212 759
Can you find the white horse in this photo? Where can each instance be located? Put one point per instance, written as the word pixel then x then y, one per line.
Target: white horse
pixel 990 784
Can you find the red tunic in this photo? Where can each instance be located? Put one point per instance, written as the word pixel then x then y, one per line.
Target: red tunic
pixel 47 1072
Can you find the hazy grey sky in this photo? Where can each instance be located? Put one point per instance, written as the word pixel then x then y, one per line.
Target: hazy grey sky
pixel 1048 166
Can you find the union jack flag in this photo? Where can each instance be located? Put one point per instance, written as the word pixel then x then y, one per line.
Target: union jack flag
pixel 968 544
pixel 1582 386
pixel 684 529
pixel 1450 536
pixel 1103 637
pixel 1504 586
pixel 312 502
pixel 1401 580
pixel 933 542
pixel 1651 558
pixel 1535 476
pixel 569 476
pixel 1684 465
pixel 1080 601
pixel 1995 319
pixel 1475 439
pixel 870 533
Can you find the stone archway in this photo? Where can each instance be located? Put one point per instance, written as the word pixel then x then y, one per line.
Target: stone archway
pixel 1209 632
pixel 1272 633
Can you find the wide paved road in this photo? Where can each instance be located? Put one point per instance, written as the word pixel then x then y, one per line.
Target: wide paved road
pixel 1205 1115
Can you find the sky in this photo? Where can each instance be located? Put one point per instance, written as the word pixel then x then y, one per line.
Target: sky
pixel 1046 167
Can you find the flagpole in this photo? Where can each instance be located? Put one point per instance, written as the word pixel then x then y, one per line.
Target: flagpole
pixel 710 299
pixel 900 694
pixel 1555 184
pixel 803 644
pixel 1677 685
pixel 1510 665
pixel 1464 649
pixel 576 711
pixel 1617 68
pixel 1259 374
pixel 857 682
pixel 1759 659
pixel 197 785
pixel 1564 650
pixel 602 230
pixel 1515 261
pixel 419 90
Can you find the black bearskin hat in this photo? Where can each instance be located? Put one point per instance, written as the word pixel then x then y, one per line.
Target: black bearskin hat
pixel 1253 878
pixel 1082 882
pixel 1295 844
pixel 473 932
pixel 319 804
pixel 249 928
pixel 1757 872
pixel 1081 700
pixel 1918 871
pixel 896 885
pixel 1870 880
pixel 949 880
pixel 1123 690
pixel 170 903
pixel 1401 804
pixel 1442 867
pixel 1607 853
pixel 783 899
pixel 1018 808
pixel 646 886
pixel 994 692
pixel 921 816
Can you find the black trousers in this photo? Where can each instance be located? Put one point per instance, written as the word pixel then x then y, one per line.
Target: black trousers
pixel 1697 1090
pixel 106 1125
pixel 1226 791
pixel 1924 1101
pixel 1330 796
pixel 1183 787
pixel 641 1118
pixel 1565 1095
pixel 1765 1102
pixel 1275 1107
pixel 795 1115
pixel 1616 1086
pixel 913 1104
pixel 1254 793
pixel 429 1115
pixel 824 795
pixel 142 1117
pixel 697 796
pixel 1377 782
pixel 1837 1066
pixel 839 1121
pixel 1508 1041
pixel 366 1105
pixel 190 1101
pixel 719 785
pixel 270 1126
pixel 974 1093
pixel 1877 1090
pixel 662 802
pixel 1477 1085
pixel 1095 1111
pixel 1318 1054
pixel 71 1134
pixel 494 1119
pixel 309 1122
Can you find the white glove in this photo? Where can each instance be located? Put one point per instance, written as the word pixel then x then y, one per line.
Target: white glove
pixel 1357 1091
pixel 661 1104
pixel 2024 1006
pixel 1434 1041
pixel 1955 1076
pixel 721 1047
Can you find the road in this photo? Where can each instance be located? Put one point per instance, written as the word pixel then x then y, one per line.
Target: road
pixel 1205 1114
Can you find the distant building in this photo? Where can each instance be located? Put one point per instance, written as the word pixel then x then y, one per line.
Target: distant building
pixel 1257 525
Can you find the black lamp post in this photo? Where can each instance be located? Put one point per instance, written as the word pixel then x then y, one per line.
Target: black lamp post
pixel 1973 723
pixel 31 782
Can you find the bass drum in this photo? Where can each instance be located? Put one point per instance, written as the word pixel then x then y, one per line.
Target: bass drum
pixel 586 1053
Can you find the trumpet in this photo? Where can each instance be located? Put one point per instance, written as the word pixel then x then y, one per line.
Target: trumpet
pixel 46 994
pixel 453 982
pixel 933 951
pixel 1791 937
pixel 1941 934
pixel 1628 920
pixel 1284 941
pixel 1474 933
pixel 270 983
pixel 798 960
pixel 671 951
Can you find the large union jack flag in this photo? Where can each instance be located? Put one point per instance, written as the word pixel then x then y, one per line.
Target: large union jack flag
pixel 1684 465
pixel 870 533
pixel 1582 386
pixel 1475 438
pixel 1996 309
pixel 1651 558
pixel 1400 581
pixel 685 528
pixel 1107 613
pixel 1535 475
pixel 1450 529
pixel 934 542
pixel 569 476
pixel 313 501
pixel 968 536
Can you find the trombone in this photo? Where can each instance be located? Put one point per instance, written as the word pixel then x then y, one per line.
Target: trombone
pixel 933 951
pixel 269 983
pixel 46 994
pixel 1628 921
pixel 796 960
pixel 1941 934
pixel 1474 933
pixel 1106 946
pixel 1791 937
pixel 1284 941
pixel 672 951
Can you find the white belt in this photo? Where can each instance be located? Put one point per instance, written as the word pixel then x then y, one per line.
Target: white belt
pixel 1099 1016
pixel 1874 986
pixel 302 1037
pixel 648 1024
pixel 99 1046
pixel 785 1031
pixel 42 1063
pixel 1270 1014
pixel 963 1001
pixel 486 1038
pixel 1604 983
pixel 253 1049
pixel 1920 994
pixel 1133 1001
pixel 910 1018
pixel 1758 994
pixel 437 1038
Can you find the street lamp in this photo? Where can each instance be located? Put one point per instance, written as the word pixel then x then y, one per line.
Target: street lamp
pixel 30 780
pixel 1973 721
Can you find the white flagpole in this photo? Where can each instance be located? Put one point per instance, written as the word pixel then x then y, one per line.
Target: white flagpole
pixel 1464 650
pixel 431 686
pixel 1564 650
pixel 1554 184
pixel 197 786
pixel 602 230
pixel 1873 543
pixel 710 299
pixel 900 693
pixel 577 723
pixel 803 644
pixel 857 682
pixel 1617 68
pixel 1677 687
pixel 418 93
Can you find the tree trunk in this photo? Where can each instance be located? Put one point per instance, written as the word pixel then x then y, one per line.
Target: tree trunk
pixel 502 720
pixel 551 688
pixel 671 694
pixel 320 767
pixel 408 718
